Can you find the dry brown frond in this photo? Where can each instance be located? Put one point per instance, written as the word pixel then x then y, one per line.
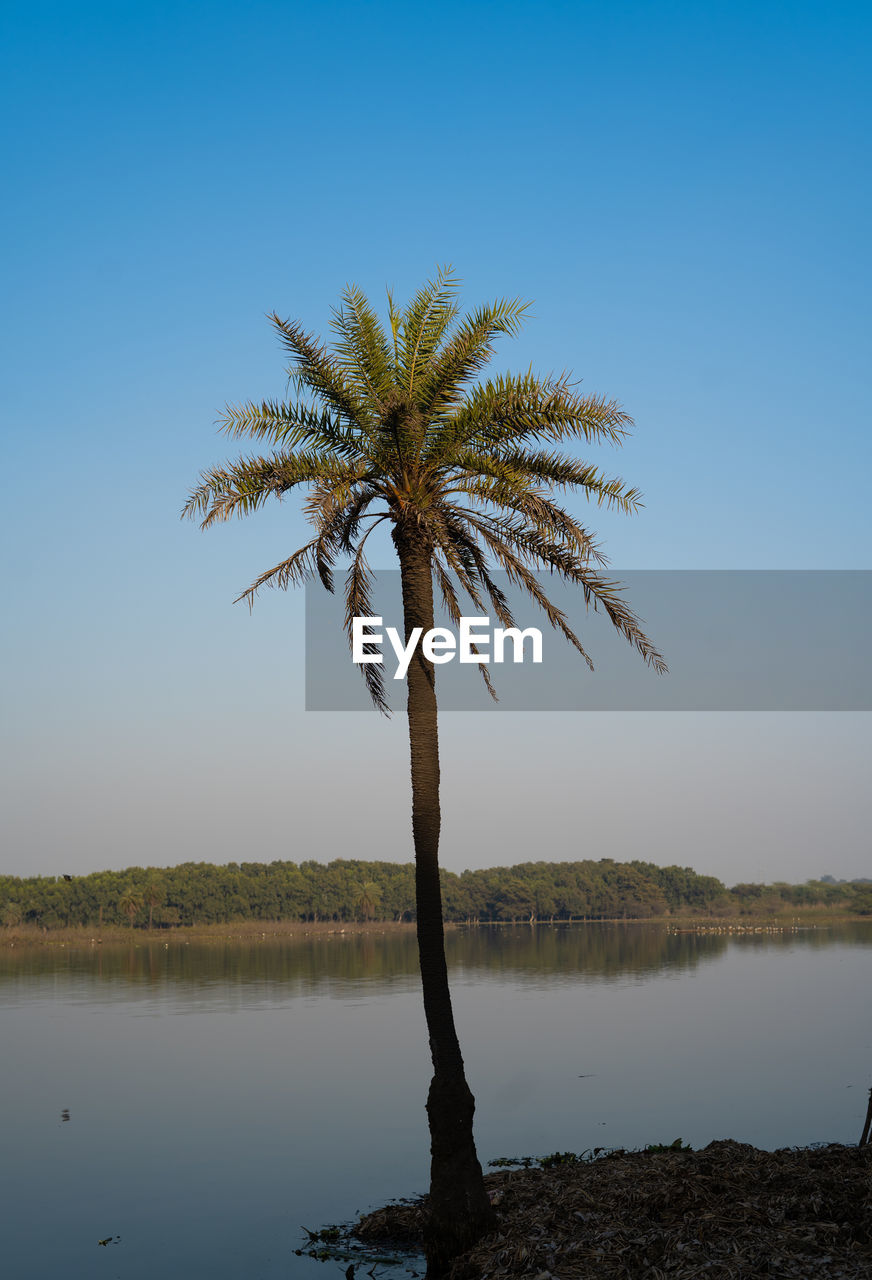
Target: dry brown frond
pixel 728 1212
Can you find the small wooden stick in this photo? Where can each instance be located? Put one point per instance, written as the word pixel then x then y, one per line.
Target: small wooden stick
pixel 864 1136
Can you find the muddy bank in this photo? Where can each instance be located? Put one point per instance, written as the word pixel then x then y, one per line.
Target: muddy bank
pixel 726 1212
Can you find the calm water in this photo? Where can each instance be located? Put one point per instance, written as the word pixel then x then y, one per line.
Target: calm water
pixel 219 1097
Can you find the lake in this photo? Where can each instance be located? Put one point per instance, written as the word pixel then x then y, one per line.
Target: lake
pixel 204 1102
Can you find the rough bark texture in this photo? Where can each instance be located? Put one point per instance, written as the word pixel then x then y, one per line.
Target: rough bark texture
pixel 460 1211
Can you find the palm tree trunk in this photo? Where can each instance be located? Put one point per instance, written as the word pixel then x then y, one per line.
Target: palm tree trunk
pixel 460 1212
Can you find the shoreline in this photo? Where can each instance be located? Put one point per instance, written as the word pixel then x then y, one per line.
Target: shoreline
pixel 253 931
pixel 726 1210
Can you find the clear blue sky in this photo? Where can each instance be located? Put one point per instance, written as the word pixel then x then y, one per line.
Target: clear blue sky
pixel 683 191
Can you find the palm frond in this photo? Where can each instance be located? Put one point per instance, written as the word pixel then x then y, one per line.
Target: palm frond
pixel 455 538
pixel 529 519
pixel 452 607
pixel 289 425
pixel 296 570
pixel 424 325
pixel 495 481
pixel 522 576
pixel 562 472
pixel 395 320
pixel 600 592
pixel 242 487
pixel 314 367
pixel 327 499
pixel 358 604
pixel 606 593
pixel 513 408
pixel 467 353
pixel 339 518
pixel 363 349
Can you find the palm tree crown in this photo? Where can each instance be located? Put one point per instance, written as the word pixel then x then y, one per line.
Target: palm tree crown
pixel 396 428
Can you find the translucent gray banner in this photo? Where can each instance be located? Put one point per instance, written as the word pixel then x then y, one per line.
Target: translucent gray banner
pixel 734 640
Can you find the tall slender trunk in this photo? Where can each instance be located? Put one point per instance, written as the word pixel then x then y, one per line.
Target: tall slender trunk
pixel 460 1212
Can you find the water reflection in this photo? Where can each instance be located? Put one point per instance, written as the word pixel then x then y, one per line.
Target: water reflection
pixel 337 964
pixel 202 1101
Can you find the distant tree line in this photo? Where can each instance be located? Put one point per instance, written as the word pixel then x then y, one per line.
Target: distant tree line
pixel 350 890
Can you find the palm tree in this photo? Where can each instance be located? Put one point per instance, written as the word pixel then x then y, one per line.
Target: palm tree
pixel 368 899
pixel 153 893
pixel 131 904
pixel 393 426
